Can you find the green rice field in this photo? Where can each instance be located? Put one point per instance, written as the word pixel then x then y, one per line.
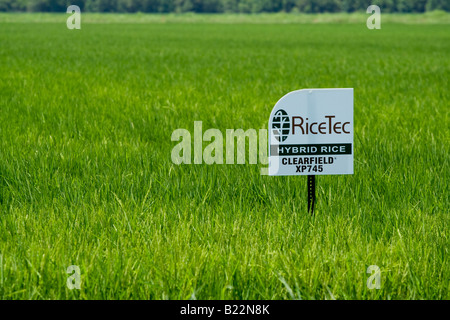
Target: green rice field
pixel 86 176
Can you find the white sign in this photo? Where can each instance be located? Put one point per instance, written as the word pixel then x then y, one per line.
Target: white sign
pixel 311 133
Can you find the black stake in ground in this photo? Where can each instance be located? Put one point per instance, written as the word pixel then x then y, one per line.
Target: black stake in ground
pixel 311 193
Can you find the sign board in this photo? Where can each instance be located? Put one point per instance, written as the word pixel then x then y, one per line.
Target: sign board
pixel 311 133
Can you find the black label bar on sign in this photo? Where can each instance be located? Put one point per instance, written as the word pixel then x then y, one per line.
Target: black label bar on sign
pixel 310 149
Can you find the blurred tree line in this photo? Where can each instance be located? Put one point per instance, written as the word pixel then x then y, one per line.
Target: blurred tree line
pixel 224 6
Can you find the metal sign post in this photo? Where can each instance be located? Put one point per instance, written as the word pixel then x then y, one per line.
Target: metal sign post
pixel 311 193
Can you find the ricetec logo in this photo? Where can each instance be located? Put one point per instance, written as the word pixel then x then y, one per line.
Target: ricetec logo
pixel 283 125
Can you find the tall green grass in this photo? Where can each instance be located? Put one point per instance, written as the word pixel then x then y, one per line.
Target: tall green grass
pixel 86 176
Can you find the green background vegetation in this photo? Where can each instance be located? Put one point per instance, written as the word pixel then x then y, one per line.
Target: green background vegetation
pixel 86 176
pixel 225 6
